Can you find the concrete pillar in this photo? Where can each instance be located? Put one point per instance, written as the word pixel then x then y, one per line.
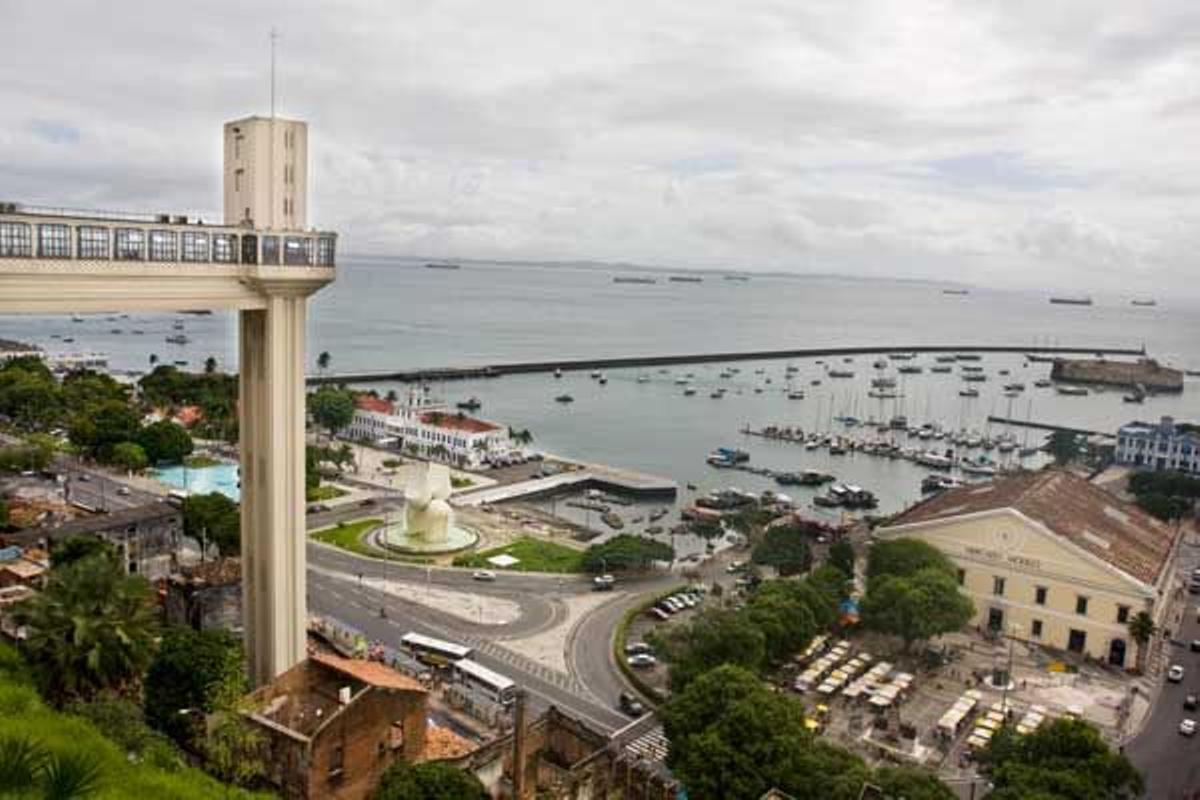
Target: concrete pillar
pixel 272 416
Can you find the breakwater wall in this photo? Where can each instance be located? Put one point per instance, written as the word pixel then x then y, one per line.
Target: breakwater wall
pixel 619 362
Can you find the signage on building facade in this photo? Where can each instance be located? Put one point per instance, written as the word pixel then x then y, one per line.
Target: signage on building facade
pixel 1020 562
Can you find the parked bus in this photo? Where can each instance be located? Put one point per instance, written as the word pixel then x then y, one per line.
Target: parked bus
pixel 434 652
pixel 482 681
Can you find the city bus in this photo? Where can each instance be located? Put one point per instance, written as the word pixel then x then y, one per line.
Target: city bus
pixel 480 680
pixel 434 652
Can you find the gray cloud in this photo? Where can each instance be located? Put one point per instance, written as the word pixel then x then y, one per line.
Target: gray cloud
pixel 1010 143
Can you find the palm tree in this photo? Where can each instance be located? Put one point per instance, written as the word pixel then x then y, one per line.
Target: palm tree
pixel 210 365
pixel 153 359
pixel 92 629
pixel 392 396
pixel 323 361
pixel 1141 629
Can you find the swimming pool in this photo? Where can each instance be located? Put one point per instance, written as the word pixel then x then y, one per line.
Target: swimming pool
pixel 222 478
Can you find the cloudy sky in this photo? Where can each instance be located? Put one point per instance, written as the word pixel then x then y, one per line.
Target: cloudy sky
pixel 1007 143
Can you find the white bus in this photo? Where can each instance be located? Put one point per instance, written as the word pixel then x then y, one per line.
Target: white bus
pixel 483 681
pixel 434 652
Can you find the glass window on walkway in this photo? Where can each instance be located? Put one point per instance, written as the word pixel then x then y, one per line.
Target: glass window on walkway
pixel 131 244
pixel 195 246
pixel 162 245
pixel 325 251
pixel 270 249
pixel 15 239
pixel 94 242
pixel 54 241
pixel 295 251
pixel 224 248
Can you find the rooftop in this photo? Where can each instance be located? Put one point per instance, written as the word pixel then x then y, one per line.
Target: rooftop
pixel 371 673
pixel 222 572
pixel 369 402
pixel 1069 506
pixel 98 522
pixel 458 422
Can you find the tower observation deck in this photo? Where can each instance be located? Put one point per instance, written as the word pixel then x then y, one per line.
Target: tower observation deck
pixel 68 261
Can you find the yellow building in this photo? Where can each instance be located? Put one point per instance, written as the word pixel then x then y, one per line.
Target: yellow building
pixel 1050 558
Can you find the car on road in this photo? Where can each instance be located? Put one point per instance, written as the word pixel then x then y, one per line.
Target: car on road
pixel 659 614
pixel 642 661
pixel 84 477
pixel 123 491
pixel 1188 727
pixel 634 648
pixel 367 502
pixel 603 583
pixel 1190 702
pixel 1195 646
pixel 483 575
pixel 1175 673
pixel 630 705
pixel 736 566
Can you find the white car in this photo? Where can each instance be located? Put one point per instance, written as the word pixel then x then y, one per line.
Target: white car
pixel 483 575
pixel 1188 727
pixel 643 660
pixel 1175 673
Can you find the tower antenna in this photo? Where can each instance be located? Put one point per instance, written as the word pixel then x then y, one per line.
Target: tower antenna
pixel 274 36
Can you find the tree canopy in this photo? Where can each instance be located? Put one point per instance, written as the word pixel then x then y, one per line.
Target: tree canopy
pixel 91 629
pixel 202 670
pixel 130 456
pixel 902 557
pixel 216 518
pixel 100 429
pixel 331 408
pixel 81 546
pixel 785 548
pixel 1165 495
pixel 165 441
pixel 841 555
pixel 1062 760
pixel 625 553
pixel 715 637
pixel 917 606
pixel 428 781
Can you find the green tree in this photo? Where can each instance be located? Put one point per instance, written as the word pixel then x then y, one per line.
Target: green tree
pixel 901 557
pixel 331 408
pixel 92 629
pixel 233 749
pixel 732 737
pixel 215 518
pixel 323 361
pixel 713 638
pixel 97 431
pixel 911 783
pixel 85 390
pixel 1141 629
pixel 3 513
pixel 626 552
pixel 1062 760
pixel 130 456
pixel 428 781
pixel 193 671
pixel 26 766
pixel 30 396
pixel 917 606
pixel 784 548
pixel 165 441
pixel 783 616
pixel 831 582
pixel 1064 447
pixel 841 555
pixel 79 547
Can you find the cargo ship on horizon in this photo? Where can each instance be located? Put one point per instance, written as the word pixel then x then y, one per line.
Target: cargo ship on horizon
pixel 1071 301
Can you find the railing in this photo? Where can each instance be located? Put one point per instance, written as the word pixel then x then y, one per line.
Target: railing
pixel 27 232
pixel 98 214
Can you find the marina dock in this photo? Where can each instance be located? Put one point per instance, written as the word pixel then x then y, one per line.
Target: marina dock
pixel 1045 426
pixel 572 365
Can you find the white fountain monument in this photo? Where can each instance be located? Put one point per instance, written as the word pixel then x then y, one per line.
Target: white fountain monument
pixel 428 525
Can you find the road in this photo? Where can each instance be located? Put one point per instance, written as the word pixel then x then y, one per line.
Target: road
pixel 1170 762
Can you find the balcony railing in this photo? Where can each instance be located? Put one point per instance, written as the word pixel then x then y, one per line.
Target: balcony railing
pixel 68 234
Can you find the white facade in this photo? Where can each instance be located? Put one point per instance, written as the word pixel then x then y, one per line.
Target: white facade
pixel 266 173
pixel 1165 446
pixel 426 428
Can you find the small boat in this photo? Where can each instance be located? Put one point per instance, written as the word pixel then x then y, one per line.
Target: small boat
pixel 841 373
pixel 438 265
pixel 1071 301
pixel 956 291
pixel 470 404
pixel 883 383
pixel 76 318
pixel 116 331
pixel 631 279
pixel 910 369
pixel 1073 391
pixel 596 373
pixel 643 378
pixel 941 368
pixel 685 279
pixel 689 391
pixel 815 382
pixel 564 398
pixel 181 363
pixel 178 338
pixel 880 364
pixel 945 359
pixel 1043 383
pixel 68 339
pixel 929 458
pixel 1014 387
pixel 981 467
pixel 795 395
pixel 1147 302
pixel 968 393
pixel 612 520
pixel 603 380
pixel 975 377
pixel 717 394
pixel 558 373
pixel 967 357
pixel 137 332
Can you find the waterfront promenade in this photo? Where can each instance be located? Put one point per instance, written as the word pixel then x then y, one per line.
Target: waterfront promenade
pixel 619 362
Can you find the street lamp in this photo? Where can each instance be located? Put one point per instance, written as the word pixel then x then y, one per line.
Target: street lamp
pixel 1014 629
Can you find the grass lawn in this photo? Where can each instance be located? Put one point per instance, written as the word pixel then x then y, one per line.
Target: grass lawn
pixel 348 536
pixel 535 555
pixel 326 492
pixel 461 483
pixel 200 462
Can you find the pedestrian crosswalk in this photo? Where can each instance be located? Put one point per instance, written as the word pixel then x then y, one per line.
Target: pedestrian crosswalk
pixel 525 664
pixel 651 745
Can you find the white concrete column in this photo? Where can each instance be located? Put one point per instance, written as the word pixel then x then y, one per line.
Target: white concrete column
pixel 272 416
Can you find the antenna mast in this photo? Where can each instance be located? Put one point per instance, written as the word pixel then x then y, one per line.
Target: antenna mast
pixel 274 36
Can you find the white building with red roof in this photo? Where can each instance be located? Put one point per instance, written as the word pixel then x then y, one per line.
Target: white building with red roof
pixel 424 427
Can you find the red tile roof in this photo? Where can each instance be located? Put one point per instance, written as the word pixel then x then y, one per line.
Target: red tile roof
pixel 369 672
pixel 455 422
pixel 189 416
pixel 1069 506
pixel 369 402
